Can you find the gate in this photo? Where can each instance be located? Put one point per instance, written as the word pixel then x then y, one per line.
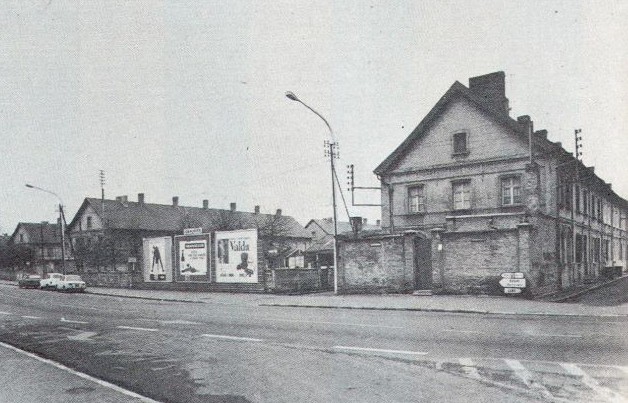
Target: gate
pixel 422 264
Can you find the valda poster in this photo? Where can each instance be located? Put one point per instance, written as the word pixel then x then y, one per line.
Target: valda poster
pixel 236 256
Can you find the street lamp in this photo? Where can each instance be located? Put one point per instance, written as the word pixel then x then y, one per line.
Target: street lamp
pixel 332 154
pixel 61 222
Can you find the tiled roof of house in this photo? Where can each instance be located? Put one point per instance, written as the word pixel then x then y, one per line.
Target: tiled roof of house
pixel 50 233
pixel 539 141
pixel 161 217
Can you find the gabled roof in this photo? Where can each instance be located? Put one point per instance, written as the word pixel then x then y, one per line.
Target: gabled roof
pixel 39 233
pixel 129 215
pixel 457 91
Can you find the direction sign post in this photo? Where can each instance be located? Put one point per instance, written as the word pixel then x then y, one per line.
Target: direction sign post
pixel 513 282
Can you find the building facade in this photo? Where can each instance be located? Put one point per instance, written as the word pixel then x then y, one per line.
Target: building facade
pixel 494 196
pixel 36 248
pixel 114 239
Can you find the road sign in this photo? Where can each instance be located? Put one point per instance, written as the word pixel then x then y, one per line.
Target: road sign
pixel 512 290
pixel 192 231
pixel 513 282
pixel 513 275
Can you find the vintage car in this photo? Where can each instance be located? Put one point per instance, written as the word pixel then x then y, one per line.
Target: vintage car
pixel 71 283
pixel 50 280
pixel 29 281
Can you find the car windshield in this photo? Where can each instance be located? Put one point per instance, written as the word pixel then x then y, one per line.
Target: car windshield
pixel 73 278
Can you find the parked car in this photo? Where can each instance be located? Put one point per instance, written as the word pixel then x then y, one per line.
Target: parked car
pixel 71 283
pixel 29 281
pixel 49 282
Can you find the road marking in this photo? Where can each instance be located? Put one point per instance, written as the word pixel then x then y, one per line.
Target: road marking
pixel 5 313
pixel 330 323
pixel 220 336
pixel 179 322
pixel 80 374
pixel 592 383
pixel 553 335
pixel 84 336
pixel 526 377
pixel 468 366
pixel 463 331
pixel 30 317
pixel 379 350
pixel 137 328
pixel 74 321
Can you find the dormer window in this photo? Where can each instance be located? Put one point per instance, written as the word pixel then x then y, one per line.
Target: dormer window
pixel 89 222
pixel 460 143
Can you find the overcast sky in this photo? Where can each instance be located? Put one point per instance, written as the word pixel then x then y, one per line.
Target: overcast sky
pixel 186 98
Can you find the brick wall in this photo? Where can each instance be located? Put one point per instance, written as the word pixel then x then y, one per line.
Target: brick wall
pixel 376 265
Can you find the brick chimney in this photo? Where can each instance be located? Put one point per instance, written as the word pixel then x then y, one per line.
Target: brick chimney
pixel 526 123
pixel 175 201
pixel 205 204
pixel 356 224
pixel 232 207
pixel 364 221
pixel 378 222
pixel 140 198
pixel 256 210
pixel 278 213
pixel 492 89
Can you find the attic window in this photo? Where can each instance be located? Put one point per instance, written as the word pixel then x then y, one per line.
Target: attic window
pixel 89 222
pixel 460 143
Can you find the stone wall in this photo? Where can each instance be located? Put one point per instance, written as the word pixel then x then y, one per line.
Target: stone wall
pixel 377 265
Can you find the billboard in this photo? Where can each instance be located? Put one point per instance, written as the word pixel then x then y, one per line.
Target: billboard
pixel 193 257
pixel 236 256
pixel 157 259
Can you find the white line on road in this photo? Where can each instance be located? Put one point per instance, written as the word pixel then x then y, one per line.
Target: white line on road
pixel 554 335
pixel 526 377
pixel 463 331
pixel 179 322
pixel 379 350
pixel 330 323
pixel 83 336
pixel 137 328
pixel 220 336
pixel 5 313
pixel 468 366
pixel 30 317
pixel 74 321
pixel 80 374
pixel 592 383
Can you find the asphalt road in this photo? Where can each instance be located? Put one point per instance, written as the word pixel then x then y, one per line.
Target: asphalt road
pixel 186 352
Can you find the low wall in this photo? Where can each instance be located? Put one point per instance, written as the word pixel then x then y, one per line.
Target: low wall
pixel 296 280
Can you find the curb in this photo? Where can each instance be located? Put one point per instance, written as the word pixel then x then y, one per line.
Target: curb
pixel 444 310
pixel 145 298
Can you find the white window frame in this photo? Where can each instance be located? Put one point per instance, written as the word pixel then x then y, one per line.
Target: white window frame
pixel 417 202
pixel 510 194
pixel 461 195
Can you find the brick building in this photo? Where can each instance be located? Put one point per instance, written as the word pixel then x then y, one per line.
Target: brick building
pixel 468 183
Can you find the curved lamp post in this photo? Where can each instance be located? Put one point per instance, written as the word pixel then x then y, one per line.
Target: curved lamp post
pixel 61 222
pixel 290 95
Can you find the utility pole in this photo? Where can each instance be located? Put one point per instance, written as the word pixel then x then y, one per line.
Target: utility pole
pixel 102 197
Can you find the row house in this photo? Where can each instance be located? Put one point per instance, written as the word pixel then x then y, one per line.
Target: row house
pixel 483 194
pixel 109 239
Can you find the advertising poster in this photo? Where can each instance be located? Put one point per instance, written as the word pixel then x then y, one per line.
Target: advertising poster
pixel 193 257
pixel 158 259
pixel 236 256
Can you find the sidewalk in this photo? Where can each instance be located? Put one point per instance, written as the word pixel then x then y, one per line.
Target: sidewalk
pixel 405 302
